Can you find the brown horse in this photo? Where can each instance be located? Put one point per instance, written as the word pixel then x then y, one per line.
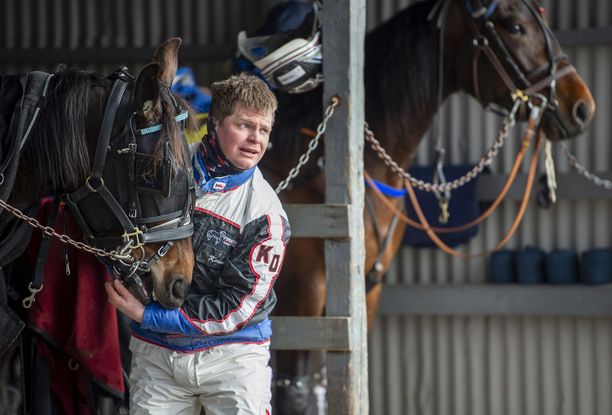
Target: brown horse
pixel 114 149
pixel 490 49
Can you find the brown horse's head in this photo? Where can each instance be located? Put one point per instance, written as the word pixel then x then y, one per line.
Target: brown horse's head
pixel 139 193
pixel 168 276
pixel 115 148
pixel 513 51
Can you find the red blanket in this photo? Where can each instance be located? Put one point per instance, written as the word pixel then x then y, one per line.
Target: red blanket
pixel 78 323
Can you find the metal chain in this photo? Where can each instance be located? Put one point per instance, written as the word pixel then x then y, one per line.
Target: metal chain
pixel 508 122
pixel 335 101
pixel 598 181
pixel 49 231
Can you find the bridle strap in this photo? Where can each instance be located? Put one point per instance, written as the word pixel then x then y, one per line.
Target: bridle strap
pixel 374 276
pixel 95 183
pixel 106 128
pixel 482 45
pixel 432 232
pixel 543 83
pixel 43 250
pixel 517 220
pixel 500 197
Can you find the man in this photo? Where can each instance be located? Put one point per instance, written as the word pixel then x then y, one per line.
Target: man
pixel 213 352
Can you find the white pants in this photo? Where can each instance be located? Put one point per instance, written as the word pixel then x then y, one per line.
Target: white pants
pixel 224 380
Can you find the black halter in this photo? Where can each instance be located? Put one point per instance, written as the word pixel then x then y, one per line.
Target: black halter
pixel 508 68
pixel 122 206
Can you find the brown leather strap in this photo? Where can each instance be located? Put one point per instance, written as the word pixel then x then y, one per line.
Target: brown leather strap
pixel 511 178
pixel 499 67
pixel 543 83
pixel 436 239
pixel 475 79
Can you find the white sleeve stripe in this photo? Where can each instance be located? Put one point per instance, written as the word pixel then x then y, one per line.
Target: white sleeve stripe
pixel 265 260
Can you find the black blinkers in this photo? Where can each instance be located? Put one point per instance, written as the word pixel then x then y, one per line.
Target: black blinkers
pixel 137 192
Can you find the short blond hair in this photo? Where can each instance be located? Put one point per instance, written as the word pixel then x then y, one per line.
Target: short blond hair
pixel 247 89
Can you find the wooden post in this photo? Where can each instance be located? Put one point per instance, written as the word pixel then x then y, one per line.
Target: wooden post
pixel 343 43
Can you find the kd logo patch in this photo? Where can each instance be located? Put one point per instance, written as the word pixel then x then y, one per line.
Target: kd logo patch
pixel 266 256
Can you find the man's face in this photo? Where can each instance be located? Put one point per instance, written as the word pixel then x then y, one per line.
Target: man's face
pixel 243 135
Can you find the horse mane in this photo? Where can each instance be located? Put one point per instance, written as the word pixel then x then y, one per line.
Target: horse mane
pixel 171 130
pixel 401 72
pixel 57 147
pixel 400 75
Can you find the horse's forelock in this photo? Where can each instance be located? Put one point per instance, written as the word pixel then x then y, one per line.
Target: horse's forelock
pixel 173 132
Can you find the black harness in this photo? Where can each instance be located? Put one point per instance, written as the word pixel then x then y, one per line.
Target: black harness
pixel 122 192
pixel 515 77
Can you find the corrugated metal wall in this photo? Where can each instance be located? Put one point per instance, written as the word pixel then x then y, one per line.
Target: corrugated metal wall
pixel 101 35
pixel 496 365
pixel 419 364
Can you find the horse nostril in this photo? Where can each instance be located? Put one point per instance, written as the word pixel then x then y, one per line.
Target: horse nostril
pixel 581 113
pixel 179 288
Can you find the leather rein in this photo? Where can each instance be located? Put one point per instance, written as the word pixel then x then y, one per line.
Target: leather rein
pixel 484 34
pixel 432 232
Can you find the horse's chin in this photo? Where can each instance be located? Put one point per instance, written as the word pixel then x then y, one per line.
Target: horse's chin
pixel 160 293
pixel 165 300
pixel 556 129
pixel 170 305
pixel 153 293
pixel 142 294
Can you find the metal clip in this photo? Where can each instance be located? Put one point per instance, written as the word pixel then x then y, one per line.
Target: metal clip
pixel 129 149
pixel 29 300
pixel 512 115
pixel 444 214
pixel 440 178
pixel 73 364
pixel 537 110
pixel 88 183
pixel 519 94
pixel 134 239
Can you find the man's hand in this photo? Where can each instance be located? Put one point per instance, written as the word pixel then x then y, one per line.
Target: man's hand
pixel 123 300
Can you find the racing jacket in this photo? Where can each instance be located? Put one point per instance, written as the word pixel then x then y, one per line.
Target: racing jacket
pixel 239 240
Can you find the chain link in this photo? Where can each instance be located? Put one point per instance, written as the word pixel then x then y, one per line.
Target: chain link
pixel 335 101
pixel 65 239
pixel 507 124
pixel 598 181
pixel 491 153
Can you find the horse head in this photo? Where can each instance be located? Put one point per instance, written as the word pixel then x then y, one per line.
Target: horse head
pixel 114 148
pixel 506 51
pixel 169 278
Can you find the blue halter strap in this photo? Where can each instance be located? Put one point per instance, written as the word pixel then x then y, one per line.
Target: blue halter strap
pixel 489 10
pixel 157 127
pixel 387 190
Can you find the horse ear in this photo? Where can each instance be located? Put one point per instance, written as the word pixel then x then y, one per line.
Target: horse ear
pixel 146 93
pixel 167 56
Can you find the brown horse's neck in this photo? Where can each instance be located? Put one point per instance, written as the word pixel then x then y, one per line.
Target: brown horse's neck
pixel 401 77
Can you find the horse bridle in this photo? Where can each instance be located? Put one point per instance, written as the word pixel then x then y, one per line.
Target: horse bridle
pixel 123 153
pixel 485 35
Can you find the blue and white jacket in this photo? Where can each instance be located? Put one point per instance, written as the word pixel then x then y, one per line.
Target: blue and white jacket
pixel 240 235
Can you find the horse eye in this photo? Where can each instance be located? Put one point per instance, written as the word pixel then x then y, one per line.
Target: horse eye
pixel 517 29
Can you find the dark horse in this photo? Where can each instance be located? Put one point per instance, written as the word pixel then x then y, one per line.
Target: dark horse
pixel 114 149
pixel 402 97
